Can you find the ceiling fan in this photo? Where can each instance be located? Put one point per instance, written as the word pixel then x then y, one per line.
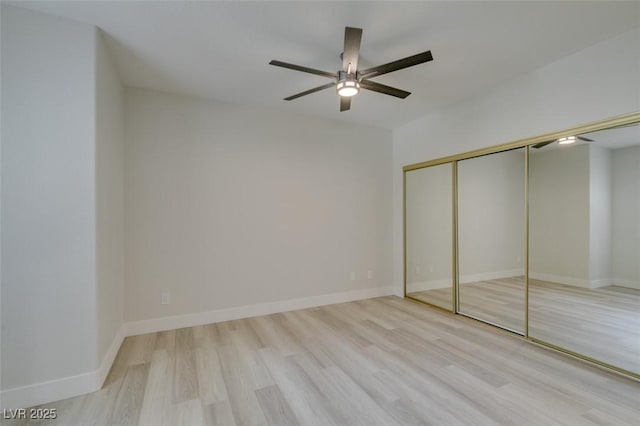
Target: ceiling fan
pixel 349 80
pixel 562 141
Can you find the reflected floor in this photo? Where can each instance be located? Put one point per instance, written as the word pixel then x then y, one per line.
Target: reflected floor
pixel 602 323
pixel 499 301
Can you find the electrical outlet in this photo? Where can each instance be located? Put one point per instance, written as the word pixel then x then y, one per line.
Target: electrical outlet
pixel 418 270
pixel 370 275
pixel 166 298
pixel 353 276
pixel 430 268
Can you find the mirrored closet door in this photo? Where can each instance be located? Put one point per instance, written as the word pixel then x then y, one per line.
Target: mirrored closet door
pixel 584 271
pixel 540 237
pixel 491 238
pixel 428 241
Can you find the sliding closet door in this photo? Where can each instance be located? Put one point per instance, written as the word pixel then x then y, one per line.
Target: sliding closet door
pixel 584 269
pixel 491 238
pixel 428 235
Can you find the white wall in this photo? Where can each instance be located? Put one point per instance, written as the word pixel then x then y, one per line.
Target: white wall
pixel 491 216
pixel 572 91
pixel 626 216
pixel 559 196
pixel 48 198
pixel 429 228
pixel 600 194
pixel 109 199
pixel 229 206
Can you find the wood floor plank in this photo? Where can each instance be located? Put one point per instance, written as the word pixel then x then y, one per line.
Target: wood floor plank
pixel 126 410
pixel 219 414
pixel 187 413
pixel 240 388
pixel 275 407
pixel 157 405
pixel 185 381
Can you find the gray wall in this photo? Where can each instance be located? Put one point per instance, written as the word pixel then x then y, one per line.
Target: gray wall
pixel 230 206
pixel 48 198
pixel 109 198
pixel 626 216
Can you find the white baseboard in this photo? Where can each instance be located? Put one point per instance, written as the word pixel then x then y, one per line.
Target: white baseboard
pixel 67 387
pixel 600 283
pixel 110 356
pixel 486 276
pixel 428 285
pixel 576 282
pixel 209 317
pixel 53 390
pixel 464 279
pixel 627 283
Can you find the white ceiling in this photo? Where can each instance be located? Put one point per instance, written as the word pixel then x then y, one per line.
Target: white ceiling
pixel 221 50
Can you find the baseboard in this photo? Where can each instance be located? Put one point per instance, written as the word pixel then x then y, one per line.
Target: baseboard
pixel 576 282
pixel 464 279
pixel 626 283
pixel 53 390
pixel 110 356
pixel 66 387
pixel 209 317
pixel 486 276
pixel 600 283
pixel 428 285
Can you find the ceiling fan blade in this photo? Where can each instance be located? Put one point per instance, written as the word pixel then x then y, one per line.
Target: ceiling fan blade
pixel 307 92
pixel 542 144
pixel 345 103
pixel 381 88
pixel 303 69
pixel 585 139
pixel 352 37
pixel 397 65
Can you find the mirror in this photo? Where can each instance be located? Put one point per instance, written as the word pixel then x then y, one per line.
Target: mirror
pixel 491 238
pixel 584 245
pixel 428 235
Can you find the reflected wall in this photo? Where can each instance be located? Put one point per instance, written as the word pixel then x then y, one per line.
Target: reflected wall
pixel 428 243
pixel 491 238
pixel 584 270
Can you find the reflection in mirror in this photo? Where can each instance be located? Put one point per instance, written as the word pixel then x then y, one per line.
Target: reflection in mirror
pixel 428 235
pixel 491 231
pixel 584 270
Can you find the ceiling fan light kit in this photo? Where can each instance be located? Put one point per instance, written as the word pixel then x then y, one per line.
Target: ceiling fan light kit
pixel 567 140
pixel 349 80
pixel 348 85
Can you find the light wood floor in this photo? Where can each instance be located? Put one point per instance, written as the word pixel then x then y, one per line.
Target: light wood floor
pixel 384 361
pixel 603 323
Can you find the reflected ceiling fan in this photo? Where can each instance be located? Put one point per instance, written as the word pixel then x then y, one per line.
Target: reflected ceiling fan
pixel 349 80
pixel 562 141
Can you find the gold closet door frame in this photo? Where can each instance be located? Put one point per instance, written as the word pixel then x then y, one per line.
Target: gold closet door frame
pixel 621 120
pixel 454 272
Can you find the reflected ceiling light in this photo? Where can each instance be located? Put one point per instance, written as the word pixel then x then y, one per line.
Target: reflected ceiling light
pixel 567 140
pixel 347 85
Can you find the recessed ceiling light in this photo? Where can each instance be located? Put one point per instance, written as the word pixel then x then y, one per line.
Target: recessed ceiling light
pixel 567 140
